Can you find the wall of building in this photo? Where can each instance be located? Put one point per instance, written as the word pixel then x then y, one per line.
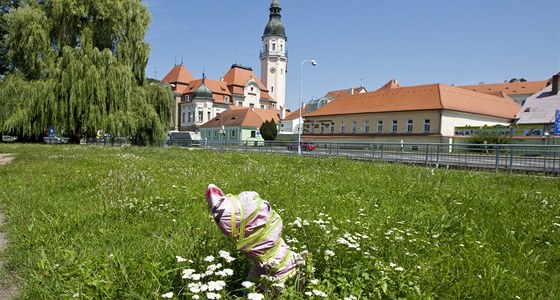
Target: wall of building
pixel 452 119
pixel 313 125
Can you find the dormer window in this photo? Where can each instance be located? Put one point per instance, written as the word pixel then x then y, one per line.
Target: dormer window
pixel 528 109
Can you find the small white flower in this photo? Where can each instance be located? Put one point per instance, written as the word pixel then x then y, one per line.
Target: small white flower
pixel 211 295
pixel 180 259
pixel 247 284
pixel 216 285
pixel 255 296
pixel 279 285
pixel 228 272
pixel 194 288
pixel 309 294
pixel 319 293
pixel 400 269
pixel 209 258
pixel 314 281
pixel 167 295
pixel 76 295
pixel 329 253
pixel 196 277
pixel 195 297
pixel 187 274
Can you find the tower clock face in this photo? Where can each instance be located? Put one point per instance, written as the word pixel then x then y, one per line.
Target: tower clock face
pixel 272 70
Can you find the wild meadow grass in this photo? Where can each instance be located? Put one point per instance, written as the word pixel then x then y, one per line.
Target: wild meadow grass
pixel 132 223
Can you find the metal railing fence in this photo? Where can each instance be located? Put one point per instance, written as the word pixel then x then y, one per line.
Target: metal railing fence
pixel 511 157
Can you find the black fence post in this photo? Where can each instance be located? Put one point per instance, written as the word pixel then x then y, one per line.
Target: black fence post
pixel 511 147
pixel 497 157
pixel 427 155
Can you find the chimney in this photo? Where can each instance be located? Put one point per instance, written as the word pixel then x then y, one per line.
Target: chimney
pixel 555 84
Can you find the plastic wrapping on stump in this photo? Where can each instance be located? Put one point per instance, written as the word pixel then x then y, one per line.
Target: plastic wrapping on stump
pixel 256 230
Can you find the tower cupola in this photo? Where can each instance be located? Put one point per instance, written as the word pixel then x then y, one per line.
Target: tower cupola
pixel 203 92
pixel 274 25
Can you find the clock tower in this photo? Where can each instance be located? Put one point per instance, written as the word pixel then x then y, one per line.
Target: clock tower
pixel 274 56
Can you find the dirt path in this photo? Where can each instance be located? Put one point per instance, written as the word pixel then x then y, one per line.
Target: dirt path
pixel 7 291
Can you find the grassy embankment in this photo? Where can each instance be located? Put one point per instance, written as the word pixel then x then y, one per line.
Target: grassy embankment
pixel 108 223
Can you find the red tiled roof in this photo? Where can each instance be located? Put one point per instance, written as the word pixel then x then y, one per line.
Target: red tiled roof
pixel 238 77
pixel 181 88
pixel 294 115
pixel 510 88
pixel 351 91
pixel 179 74
pixel 424 97
pixel 243 117
pixel 217 87
pixel 392 84
pixel 267 114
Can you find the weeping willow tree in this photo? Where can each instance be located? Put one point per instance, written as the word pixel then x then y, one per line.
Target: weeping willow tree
pixel 80 66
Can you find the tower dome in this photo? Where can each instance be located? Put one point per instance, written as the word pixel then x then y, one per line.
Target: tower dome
pixel 203 91
pixel 274 25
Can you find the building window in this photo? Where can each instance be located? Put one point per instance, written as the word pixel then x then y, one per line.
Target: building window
pixel 239 103
pixel 252 105
pixel 341 126
pixel 272 89
pixel 354 126
pixel 427 125
pixel 200 116
pixel 189 119
pixel 186 98
pixel 394 129
pixel 322 128
pixel 262 106
pixel 226 99
pixel 379 126
pixel 253 133
pixel 273 47
pixel 184 117
pixel 216 133
pixel 409 126
pixel 366 126
pixel 209 116
pixel 332 127
pixel 232 133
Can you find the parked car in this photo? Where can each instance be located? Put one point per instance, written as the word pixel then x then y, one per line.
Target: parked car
pixel 305 146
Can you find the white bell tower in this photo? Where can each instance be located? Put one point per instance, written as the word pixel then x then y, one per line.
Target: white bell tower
pixel 274 56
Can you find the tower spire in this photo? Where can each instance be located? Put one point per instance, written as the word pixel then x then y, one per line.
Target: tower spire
pixel 275 26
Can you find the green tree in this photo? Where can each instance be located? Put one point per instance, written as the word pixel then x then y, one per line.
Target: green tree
pixel 80 65
pixel 268 130
pixel 5 7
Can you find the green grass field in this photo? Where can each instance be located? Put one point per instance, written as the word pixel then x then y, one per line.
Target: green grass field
pixel 109 223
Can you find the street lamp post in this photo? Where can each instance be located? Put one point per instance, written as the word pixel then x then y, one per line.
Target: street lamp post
pixel 300 129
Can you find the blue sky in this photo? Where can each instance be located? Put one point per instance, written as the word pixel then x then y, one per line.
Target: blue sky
pixel 362 41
